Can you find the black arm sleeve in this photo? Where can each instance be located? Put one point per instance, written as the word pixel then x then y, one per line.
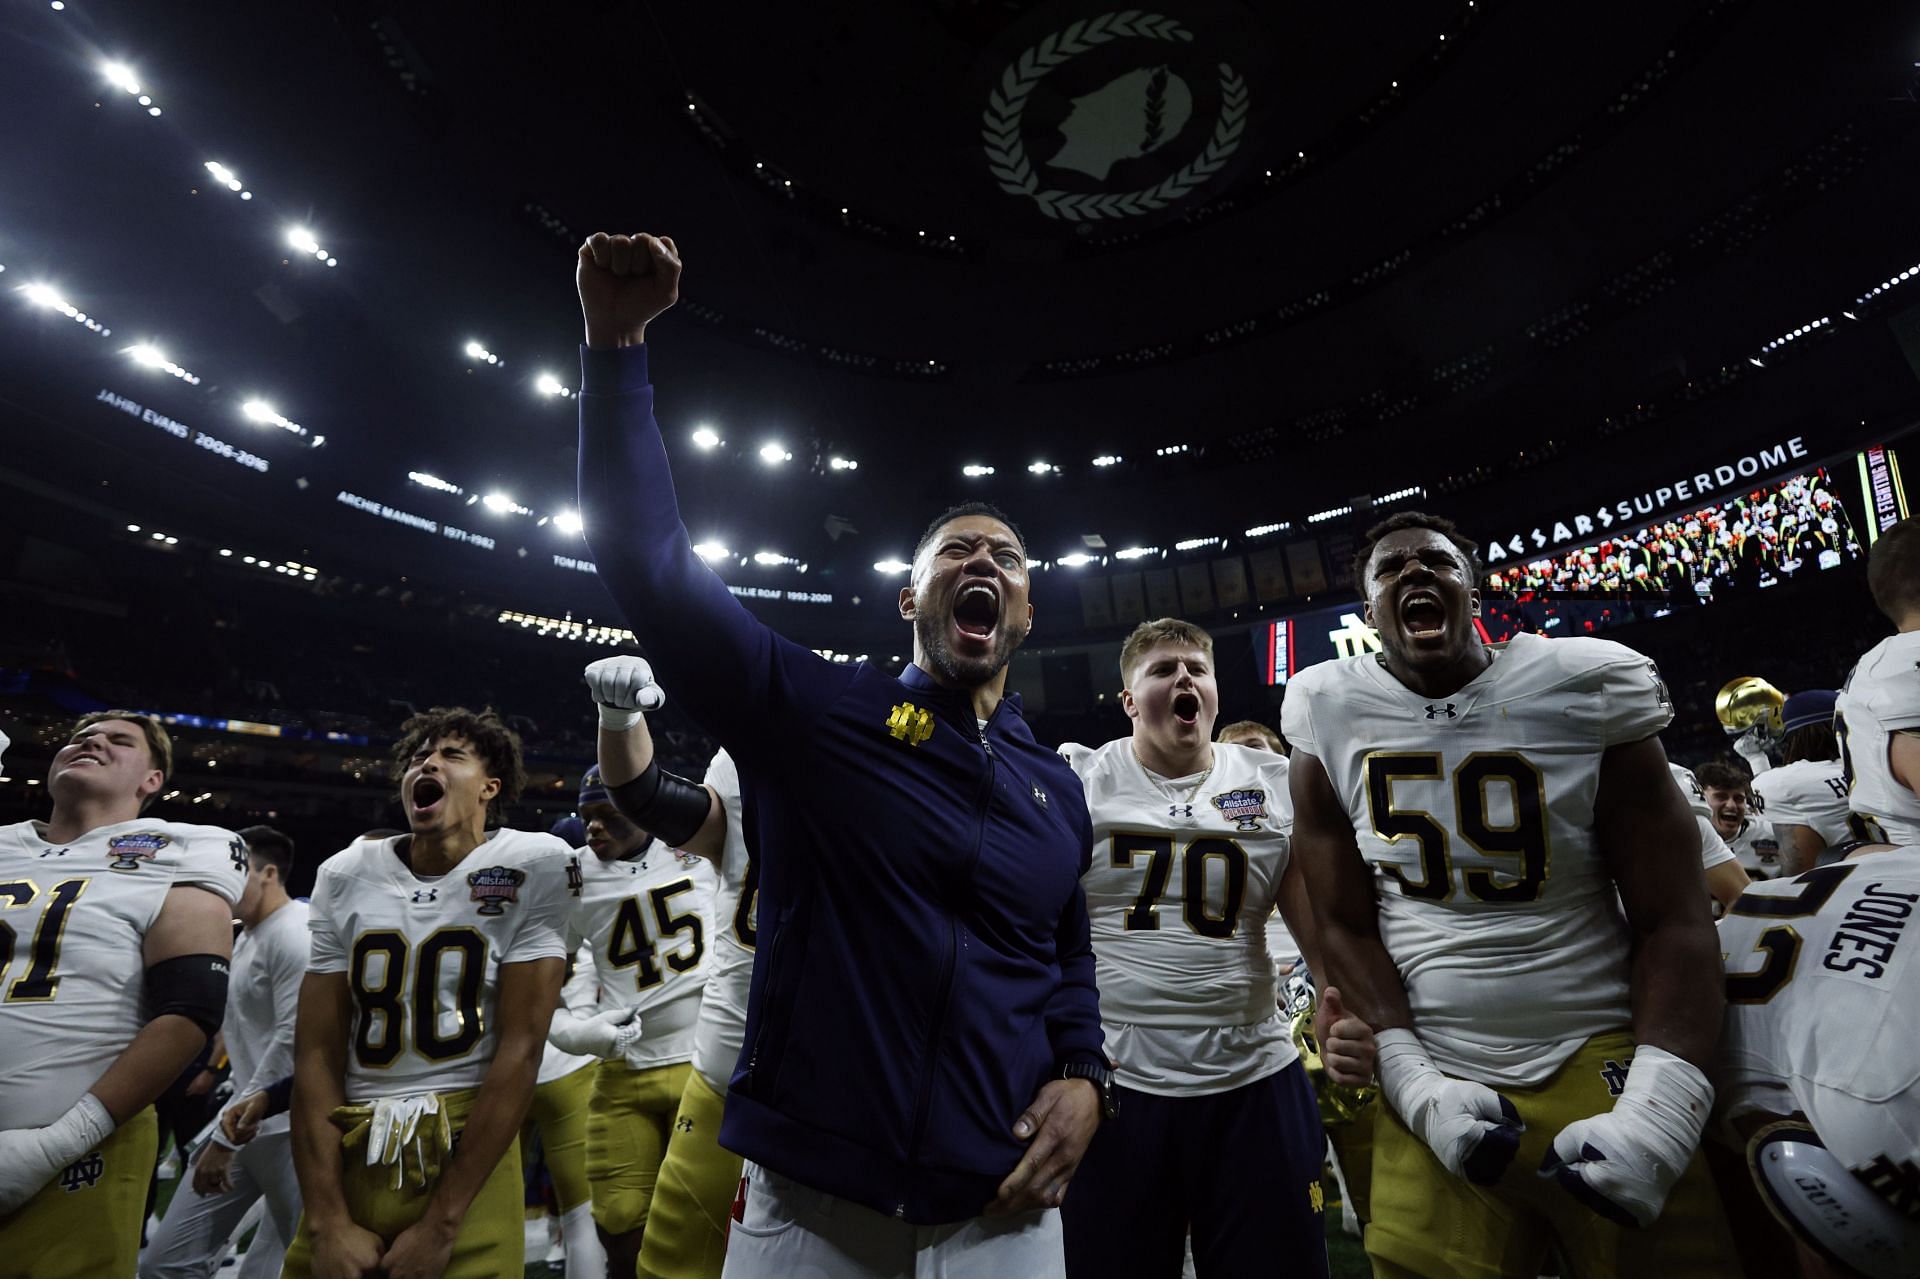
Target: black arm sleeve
pixel 665 805
pixel 279 1097
pixel 190 986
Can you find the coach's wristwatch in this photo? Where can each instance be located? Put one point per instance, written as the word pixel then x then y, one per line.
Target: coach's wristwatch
pixel 1100 1077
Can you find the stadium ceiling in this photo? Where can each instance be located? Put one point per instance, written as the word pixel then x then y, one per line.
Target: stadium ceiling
pixel 1267 256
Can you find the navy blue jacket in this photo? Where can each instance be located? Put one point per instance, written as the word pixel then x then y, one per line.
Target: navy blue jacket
pixel 923 959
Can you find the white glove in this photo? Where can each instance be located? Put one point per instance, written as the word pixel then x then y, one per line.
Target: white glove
pixel 607 1035
pixel 1752 747
pixel 1623 1163
pixel 29 1157
pixel 623 688
pixel 1471 1129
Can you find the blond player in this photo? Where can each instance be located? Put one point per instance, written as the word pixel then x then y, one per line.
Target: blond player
pixel 437 960
pixel 1819 1068
pixel 1472 821
pixel 1215 1132
pixel 115 938
pixel 646 913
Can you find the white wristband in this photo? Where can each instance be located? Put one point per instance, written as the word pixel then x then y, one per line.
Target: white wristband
pixel 615 720
pixel 1670 1091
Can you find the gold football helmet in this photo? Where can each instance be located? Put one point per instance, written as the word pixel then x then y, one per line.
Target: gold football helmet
pixel 1750 703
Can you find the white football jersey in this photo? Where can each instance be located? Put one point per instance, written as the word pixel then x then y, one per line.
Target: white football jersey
pixel 1807 792
pixel 76 917
pixel 1481 804
pixel 722 1026
pixel 1823 1008
pixel 410 943
pixel 579 994
pixel 649 921
pixel 1179 888
pixel 1757 848
pixel 1881 697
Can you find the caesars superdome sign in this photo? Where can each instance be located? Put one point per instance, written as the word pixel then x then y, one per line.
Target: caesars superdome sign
pixel 1113 116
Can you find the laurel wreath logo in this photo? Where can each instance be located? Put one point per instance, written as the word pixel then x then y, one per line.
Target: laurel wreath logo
pixel 1007 155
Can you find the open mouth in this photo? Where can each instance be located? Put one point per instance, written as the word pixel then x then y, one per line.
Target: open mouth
pixel 1422 615
pixel 976 611
pixel 427 794
pixel 1186 709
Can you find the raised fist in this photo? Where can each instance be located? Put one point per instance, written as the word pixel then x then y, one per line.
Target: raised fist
pixel 624 281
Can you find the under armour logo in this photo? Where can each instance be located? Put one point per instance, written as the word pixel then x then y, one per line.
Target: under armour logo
pixel 83 1172
pixel 1040 796
pixel 683 1124
pixel 1179 810
pixel 1614 1075
pixel 1437 712
pixel 54 852
pixel 426 895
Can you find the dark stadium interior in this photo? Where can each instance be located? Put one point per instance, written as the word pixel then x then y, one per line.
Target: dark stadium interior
pixel 1515 264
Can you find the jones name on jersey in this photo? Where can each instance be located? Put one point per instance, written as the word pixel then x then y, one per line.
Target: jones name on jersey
pixel 77 916
pixel 1483 802
pixel 413 944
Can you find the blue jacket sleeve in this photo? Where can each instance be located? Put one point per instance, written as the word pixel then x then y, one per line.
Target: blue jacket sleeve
pixel 732 672
pixel 1073 1014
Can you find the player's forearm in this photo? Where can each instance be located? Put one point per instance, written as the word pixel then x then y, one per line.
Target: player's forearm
pixel 1678 994
pixel 317 1161
pixel 498 1111
pixel 624 756
pixel 1358 964
pixel 1802 851
pixel 164 1047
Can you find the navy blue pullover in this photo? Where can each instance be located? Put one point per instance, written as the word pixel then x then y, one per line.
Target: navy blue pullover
pixel 923 960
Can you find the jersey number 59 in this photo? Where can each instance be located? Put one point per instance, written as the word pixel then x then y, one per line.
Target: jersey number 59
pixel 1523 837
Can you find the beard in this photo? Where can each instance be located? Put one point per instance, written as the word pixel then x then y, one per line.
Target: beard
pixel 963 672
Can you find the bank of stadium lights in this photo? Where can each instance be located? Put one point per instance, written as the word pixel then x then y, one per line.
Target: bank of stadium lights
pixel 711 551
pixel 566 628
pixel 974 471
pixel 149 356
pixel 303 240
pixel 1321 517
pixel 49 297
pixel 480 354
pixel 548 384
pixel 264 413
pixel 843 464
pixel 1195 543
pixel 1107 459
pixel 705 437
pixel 166 539
pixel 227 178
pixel 121 77
pixel 892 566
pixel 569 522
pixel 501 504
pixel 1077 559
pixel 433 482
pixel 1824 321
pixel 1262 530
pixel 1170 450
pixel 1042 468
pixel 772 559
pixel 1412 490
pixel 1134 553
pixel 774 453
pixel 1891 282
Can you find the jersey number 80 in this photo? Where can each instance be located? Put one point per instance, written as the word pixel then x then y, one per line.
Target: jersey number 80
pixel 387 1012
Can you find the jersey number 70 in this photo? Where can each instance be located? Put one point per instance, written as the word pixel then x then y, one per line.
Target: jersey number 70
pixel 1524 838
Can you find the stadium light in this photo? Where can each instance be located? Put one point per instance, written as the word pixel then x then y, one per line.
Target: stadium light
pixel 1136 552
pixel 433 482
pixel 568 522
pixel 973 470
pixel 843 464
pixel 770 558
pixel 548 384
pixel 711 551
pixel 1195 543
pixel 1076 559
pixel 706 437
pixel 477 352
pixel 1042 468
pixel 1412 490
pixel 1107 459
pixel 1261 530
pixel 228 179
pixel 120 76
pixel 773 453
pixel 1320 517
pixel 891 566
pixel 262 412
pixel 1170 450
pixel 145 353
pixel 501 504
